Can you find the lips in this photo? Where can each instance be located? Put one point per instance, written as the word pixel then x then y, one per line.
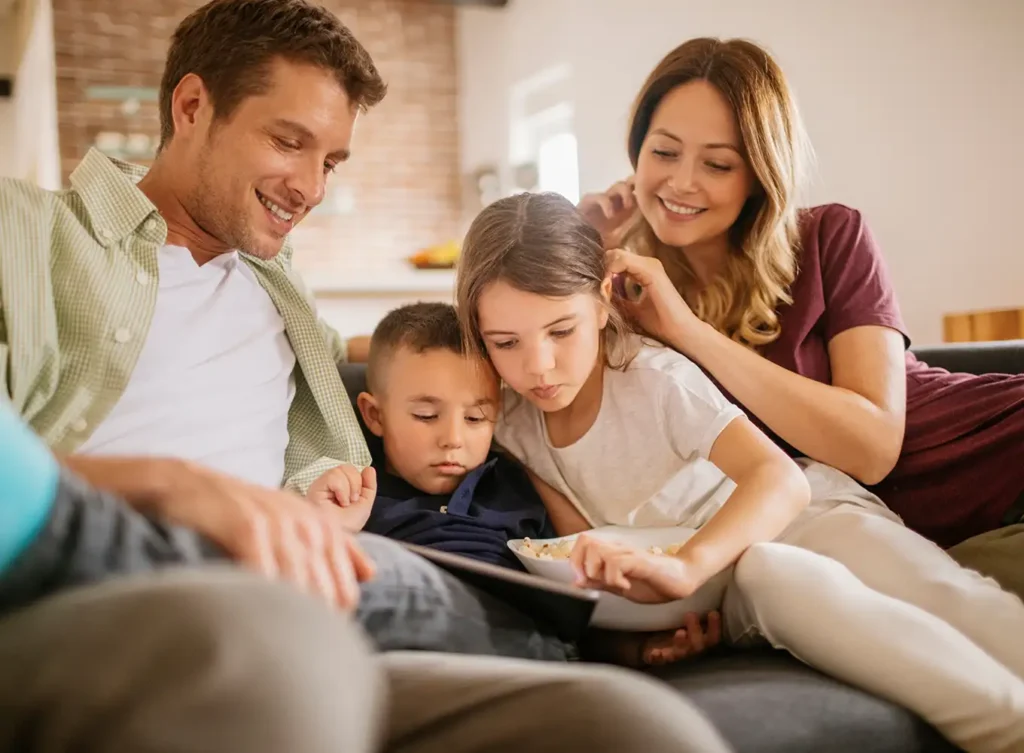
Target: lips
pixel 450 469
pixel 546 392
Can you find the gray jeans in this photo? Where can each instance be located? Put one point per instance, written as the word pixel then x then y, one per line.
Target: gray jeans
pixel 410 605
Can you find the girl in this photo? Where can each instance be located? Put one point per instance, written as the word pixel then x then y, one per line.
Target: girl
pixel 619 431
pixel 793 313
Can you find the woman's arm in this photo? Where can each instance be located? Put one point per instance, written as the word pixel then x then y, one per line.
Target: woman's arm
pixel 770 493
pixel 855 424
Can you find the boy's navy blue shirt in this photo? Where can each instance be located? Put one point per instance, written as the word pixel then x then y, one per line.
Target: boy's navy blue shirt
pixel 494 503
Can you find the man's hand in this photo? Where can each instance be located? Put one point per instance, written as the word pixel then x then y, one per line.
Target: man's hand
pixel 637 575
pixel 275 532
pixel 347 487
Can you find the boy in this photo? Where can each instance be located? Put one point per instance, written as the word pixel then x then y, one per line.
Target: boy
pixel 433 409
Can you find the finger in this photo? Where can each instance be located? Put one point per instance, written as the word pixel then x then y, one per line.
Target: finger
pixel 313 531
pixel 713 634
pixel 253 545
pixel 337 484
pixel 613 575
pixel 576 556
pixel 362 565
pixel 355 481
pixel 696 633
pixel 288 548
pixel 593 562
pixel 618 261
pixel 605 204
pixel 346 587
pixel 368 490
pixel 624 192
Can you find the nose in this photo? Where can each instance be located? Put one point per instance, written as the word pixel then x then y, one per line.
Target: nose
pixel 540 359
pixel 684 176
pixel 451 435
pixel 308 182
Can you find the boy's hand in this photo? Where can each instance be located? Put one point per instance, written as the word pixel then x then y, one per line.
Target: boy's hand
pixel 634 574
pixel 344 486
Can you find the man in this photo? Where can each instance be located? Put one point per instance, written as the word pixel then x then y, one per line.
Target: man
pixel 156 338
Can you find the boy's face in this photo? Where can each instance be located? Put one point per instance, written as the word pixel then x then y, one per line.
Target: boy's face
pixel 435 413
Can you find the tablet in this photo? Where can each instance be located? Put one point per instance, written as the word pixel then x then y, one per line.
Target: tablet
pixel 564 607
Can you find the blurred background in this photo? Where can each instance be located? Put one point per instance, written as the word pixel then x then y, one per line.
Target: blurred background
pixel 915 109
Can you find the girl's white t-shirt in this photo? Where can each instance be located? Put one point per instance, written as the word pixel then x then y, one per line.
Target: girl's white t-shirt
pixel 644 462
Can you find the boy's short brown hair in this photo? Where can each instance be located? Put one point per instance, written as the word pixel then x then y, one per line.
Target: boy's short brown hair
pixel 420 327
pixel 230 45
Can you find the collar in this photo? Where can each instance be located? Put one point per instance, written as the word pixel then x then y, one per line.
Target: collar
pixel 114 203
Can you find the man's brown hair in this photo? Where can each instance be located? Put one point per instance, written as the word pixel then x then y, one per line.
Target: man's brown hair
pixel 230 45
pixel 420 327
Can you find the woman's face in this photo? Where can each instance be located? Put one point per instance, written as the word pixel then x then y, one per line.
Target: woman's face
pixel 692 178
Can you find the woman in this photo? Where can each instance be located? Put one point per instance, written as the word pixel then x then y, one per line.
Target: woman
pixel 792 311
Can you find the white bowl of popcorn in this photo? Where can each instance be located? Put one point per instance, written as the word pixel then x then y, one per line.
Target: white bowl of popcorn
pixel 549 558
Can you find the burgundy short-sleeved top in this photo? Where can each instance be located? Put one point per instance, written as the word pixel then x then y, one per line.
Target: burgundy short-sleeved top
pixel 962 464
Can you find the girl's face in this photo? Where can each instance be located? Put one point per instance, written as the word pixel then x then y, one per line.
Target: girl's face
pixel 691 176
pixel 543 348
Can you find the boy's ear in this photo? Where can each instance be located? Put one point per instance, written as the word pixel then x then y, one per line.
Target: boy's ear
pixel 370 411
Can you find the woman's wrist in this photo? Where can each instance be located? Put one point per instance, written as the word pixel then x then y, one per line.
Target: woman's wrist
pixel 690 337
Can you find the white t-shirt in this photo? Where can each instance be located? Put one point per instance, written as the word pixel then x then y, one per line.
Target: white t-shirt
pixel 644 462
pixel 214 381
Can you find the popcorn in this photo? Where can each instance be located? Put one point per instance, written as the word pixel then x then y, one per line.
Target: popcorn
pixel 560 549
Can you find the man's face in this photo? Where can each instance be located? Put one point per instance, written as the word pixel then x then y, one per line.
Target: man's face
pixel 260 171
pixel 435 412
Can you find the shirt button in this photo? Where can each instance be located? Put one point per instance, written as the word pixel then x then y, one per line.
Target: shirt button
pixel 444 508
pixel 149 225
pixel 105 234
pixel 142 277
pixel 79 425
pixel 123 335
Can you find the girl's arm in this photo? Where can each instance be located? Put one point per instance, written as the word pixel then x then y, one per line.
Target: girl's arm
pixel 770 493
pixel 565 518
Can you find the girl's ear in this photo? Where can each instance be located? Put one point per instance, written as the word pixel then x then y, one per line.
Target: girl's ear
pixel 603 305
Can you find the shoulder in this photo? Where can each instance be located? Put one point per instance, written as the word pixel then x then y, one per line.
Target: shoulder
pixel 831 231
pixel 657 368
pixel 24 201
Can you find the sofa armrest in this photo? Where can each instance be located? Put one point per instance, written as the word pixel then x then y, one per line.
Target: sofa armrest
pixel 1002 357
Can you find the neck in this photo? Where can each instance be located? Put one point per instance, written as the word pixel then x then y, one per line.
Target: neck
pixel 707 259
pixel 163 187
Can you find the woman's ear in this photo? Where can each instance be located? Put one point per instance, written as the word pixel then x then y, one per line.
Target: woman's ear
pixel 370 411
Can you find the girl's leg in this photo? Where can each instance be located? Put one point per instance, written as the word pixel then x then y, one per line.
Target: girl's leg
pixel 815 608
pixel 892 559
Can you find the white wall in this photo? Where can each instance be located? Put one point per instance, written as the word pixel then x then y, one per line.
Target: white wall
pixel 915 107
pixel 28 120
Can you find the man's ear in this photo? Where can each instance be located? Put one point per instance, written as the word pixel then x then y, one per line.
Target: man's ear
pixel 370 411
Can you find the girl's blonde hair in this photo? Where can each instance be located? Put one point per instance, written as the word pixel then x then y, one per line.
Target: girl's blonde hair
pixel 537 243
pixel 764 241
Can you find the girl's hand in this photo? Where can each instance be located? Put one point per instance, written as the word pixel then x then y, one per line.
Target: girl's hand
pixel 647 296
pixel 636 575
pixel 611 211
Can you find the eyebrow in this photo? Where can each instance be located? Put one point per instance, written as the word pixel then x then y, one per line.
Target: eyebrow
pixel 431 400
pixel 307 135
pixel 560 320
pixel 663 132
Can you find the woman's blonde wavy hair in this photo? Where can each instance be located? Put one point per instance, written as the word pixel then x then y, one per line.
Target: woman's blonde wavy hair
pixel 764 242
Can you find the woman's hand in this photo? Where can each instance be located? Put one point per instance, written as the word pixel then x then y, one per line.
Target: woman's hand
pixel 611 211
pixel 648 298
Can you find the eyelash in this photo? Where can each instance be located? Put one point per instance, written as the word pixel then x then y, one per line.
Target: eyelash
pixel 558 334
pixel 292 146
pixel 717 167
pixel 428 419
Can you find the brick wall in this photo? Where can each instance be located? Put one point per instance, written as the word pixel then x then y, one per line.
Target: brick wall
pixel 401 189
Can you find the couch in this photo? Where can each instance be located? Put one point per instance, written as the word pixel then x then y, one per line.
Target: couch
pixel 765 701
